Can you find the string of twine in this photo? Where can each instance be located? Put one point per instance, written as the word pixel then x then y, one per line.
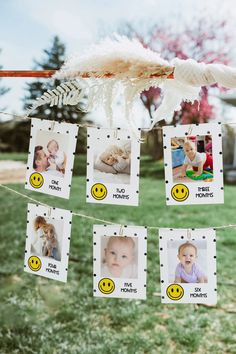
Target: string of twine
pixel 83 215
pixel 86 125
pixel 97 219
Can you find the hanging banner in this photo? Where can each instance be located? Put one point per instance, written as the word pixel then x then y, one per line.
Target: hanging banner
pixel 51 157
pixel 193 164
pixel 47 242
pixel 188 265
pixel 113 157
pixel 120 261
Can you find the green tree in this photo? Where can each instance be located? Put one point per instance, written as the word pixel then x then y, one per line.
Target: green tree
pixel 53 59
pixel 3 89
pixel 14 134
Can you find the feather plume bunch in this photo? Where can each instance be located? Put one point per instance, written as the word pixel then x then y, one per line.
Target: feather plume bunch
pixel 122 58
pixel 124 67
pixel 120 66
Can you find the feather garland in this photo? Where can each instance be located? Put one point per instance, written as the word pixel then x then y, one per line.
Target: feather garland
pixel 124 66
pixel 121 66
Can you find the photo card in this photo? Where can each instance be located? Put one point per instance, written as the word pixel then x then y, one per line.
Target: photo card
pixel 188 266
pixel 113 157
pixel 47 242
pixel 51 157
pixel 120 261
pixel 193 164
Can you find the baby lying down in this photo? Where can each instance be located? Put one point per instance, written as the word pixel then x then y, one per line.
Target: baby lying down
pixel 117 158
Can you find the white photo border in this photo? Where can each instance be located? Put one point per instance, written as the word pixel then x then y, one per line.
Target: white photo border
pixel 52 185
pixel 192 292
pixel 123 288
pixel 199 192
pixel 49 268
pixel 118 194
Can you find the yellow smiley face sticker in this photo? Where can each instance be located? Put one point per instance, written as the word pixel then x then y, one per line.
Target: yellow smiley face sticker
pixel 106 286
pixel 175 292
pixel 99 191
pixel 36 180
pixel 180 192
pixel 34 263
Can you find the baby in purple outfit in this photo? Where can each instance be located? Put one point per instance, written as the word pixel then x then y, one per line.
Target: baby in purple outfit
pixel 187 271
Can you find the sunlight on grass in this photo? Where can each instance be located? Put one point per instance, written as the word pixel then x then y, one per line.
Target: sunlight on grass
pixel 39 315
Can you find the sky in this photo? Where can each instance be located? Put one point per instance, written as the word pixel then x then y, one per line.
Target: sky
pixel 27 27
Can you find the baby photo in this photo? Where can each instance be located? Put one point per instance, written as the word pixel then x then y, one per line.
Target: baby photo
pixel 193 164
pixel 112 161
pixel 51 157
pixel 47 242
pixel 188 265
pixel 49 153
pixel 119 261
pixel 192 159
pixel 187 261
pixel 119 257
pixel 46 238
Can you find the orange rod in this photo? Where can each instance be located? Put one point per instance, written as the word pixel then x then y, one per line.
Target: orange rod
pixel 26 73
pixel 50 73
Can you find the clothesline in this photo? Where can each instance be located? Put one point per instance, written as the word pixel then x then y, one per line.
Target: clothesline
pixel 222 227
pixel 86 125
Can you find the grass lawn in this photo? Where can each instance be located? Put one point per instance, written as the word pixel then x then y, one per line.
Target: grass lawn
pixel 38 315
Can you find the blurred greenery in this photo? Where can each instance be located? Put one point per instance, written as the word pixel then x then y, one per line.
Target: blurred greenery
pixel 14 156
pixel 39 315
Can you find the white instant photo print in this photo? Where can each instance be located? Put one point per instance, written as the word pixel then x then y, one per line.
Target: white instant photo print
pixel 188 266
pixel 47 242
pixel 193 164
pixel 51 157
pixel 113 157
pixel 120 261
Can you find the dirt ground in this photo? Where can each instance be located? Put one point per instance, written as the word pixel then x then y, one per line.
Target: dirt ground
pixel 12 172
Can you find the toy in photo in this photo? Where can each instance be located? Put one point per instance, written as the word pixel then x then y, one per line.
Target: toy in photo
pixel 193 164
pixel 113 166
pixel 188 265
pixel 194 161
pixel 120 261
pixel 51 157
pixel 47 242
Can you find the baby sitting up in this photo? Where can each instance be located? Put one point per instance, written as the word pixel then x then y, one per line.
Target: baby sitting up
pixel 187 271
pixel 119 258
pixel 198 161
pixel 116 157
pixel 50 247
pixel 56 155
